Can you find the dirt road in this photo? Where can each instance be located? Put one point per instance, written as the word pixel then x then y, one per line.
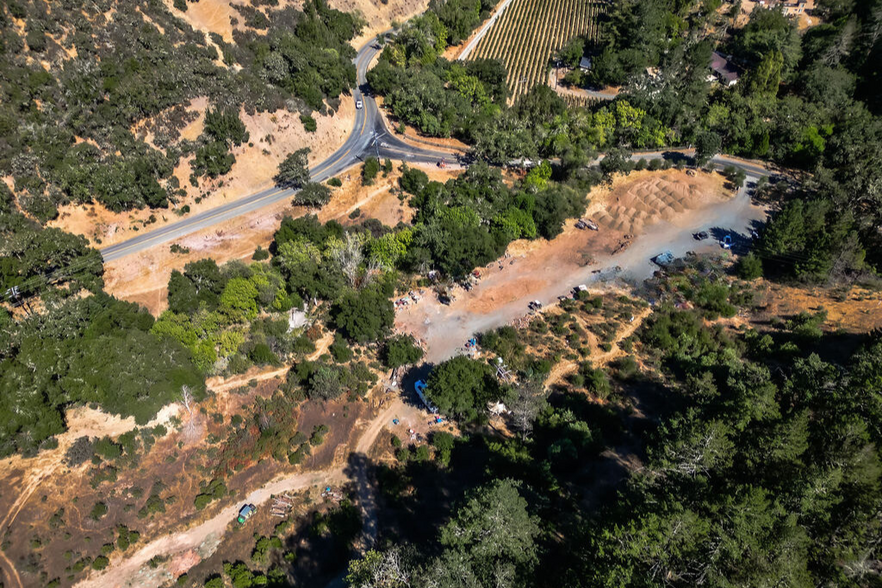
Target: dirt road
pixel 204 538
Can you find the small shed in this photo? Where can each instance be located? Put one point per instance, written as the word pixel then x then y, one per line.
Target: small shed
pixel 585 63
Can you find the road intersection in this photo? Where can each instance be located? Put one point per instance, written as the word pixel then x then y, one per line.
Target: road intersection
pixel 369 137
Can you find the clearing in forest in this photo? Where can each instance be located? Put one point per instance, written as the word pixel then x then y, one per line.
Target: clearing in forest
pixel 528 33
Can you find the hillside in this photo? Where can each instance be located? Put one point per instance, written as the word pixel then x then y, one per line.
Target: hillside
pixel 390 319
pixel 102 104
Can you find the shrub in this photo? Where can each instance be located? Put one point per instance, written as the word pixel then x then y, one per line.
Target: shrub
pixel 106 448
pixel 98 511
pixel 260 254
pixel 261 354
pixel 318 435
pixel 626 367
pixel 401 350
pixel 214 490
pixel 335 182
pixel 750 267
pixel 79 452
pixel 308 123
pixel 421 453
pixel 125 537
pixel 340 351
pixel 369 170
pixel 100 563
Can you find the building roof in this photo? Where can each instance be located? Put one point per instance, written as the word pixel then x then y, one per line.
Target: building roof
pixel 585 63
pixel 723 68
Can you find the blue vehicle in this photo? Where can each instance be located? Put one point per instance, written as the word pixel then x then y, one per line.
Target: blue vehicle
pixel 245 513
pixel 420 387
pixel 664 259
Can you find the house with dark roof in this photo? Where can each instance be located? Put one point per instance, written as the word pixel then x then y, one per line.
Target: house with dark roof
pixel 723 70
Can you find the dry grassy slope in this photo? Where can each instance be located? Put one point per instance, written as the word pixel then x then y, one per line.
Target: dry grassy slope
pixel 214 15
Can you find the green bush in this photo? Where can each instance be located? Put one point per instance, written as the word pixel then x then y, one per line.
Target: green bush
pixel 100 562
pixel 421 453
pixel 261 354
pixel 214 490
pixel 98 511
pixel 749 267
pixel 626 367
pixel 340 351
pixel 369 170
pixel 308 123
pixel 106 448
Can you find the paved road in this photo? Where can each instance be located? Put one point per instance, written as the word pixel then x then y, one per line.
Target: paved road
pixel 369 137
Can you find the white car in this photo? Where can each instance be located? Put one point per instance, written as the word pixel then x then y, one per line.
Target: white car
pixel 359 104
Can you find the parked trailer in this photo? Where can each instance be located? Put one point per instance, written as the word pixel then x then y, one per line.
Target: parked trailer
pixel 420 388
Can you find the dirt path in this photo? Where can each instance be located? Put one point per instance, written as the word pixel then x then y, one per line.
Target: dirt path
pixel 205 537
pixel 566 367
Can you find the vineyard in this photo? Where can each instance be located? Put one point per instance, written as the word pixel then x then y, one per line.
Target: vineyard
pixel 526 36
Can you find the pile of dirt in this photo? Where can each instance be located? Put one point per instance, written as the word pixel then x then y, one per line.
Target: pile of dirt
pixel 644 198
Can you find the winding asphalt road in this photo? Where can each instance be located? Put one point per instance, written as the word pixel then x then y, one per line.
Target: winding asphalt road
pixel 369 137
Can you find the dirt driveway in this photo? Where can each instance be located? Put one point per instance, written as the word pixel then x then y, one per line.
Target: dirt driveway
pixel 666 213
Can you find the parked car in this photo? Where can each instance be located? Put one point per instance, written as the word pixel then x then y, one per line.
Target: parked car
pixel 359 104
pixel 701 235
pixel 245 513
pixel 664 259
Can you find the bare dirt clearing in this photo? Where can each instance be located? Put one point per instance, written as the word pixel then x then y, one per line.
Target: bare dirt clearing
pixel 669 206
pixel 214 16
pixel 853 310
